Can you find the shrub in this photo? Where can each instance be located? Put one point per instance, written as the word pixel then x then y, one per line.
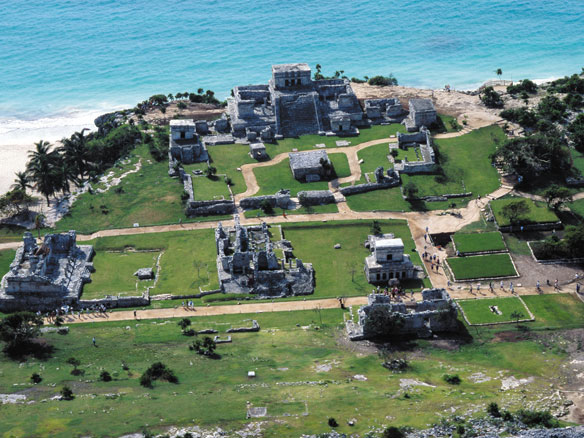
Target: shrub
pixel 383 81
pixel 537 419
pixel 67 393
pixel 507 416
pixel 332 422
pixel 105 376
pixel 157 371
pixel 181 105
pixel 551 108
pixel 393 432
pixel 36 378
pixel 525 86
pixel 493 410
pixel 266 207
pixel 358 81
pixel 491 98
pixel 452 379
pixel 523 116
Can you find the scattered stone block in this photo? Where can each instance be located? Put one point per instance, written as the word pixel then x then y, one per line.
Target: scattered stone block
pixel 251 374
pixel 337 246
pixel 144 274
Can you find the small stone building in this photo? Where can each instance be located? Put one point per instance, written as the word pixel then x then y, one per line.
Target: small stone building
pixel 310 166
pixel 384 110
pixel 426 157
pixel 258 151
pixel 422 113
pixel 46 276
pixel 436 312
pixel 184 145
pixel 387 260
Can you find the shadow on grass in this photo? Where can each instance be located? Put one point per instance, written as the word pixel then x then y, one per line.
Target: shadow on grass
pixel 37 349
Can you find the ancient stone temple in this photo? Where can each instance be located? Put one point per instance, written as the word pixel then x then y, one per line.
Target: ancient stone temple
pixel 185 146
pixel 422 113
pixel 248 261
pixel 46 276
pixel 426 157
pixel 436 312
pixel 292 104
pixel 387 260
pixel 387 110
pixel 310 166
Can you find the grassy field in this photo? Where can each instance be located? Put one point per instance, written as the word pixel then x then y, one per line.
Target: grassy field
pixel 114 273
pixel 577 207
pixel 313 243
pixel 388 200
pixel 328 208
pixel 284 354
pixel 210 188
pixel 434 185
pixel 487 266
pixel 476 242
pixel 555 311
pixel 538 212
pixel 6 258
pixel 479 312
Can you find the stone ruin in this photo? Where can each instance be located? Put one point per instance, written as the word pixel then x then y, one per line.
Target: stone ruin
pixel 388 110
pixel 426 162
pixel 46 276
pixel 185 145
pixel 437 312
pixel 387 261
pixel 293 104
pixel 247 263
pixel 422 113
pixel 310 166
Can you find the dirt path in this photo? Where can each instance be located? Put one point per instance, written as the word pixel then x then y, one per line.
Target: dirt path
pixel 180 312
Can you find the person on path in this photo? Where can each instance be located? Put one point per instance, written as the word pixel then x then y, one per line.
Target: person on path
pixel 577 288
pixel 135 317
pixel 93 341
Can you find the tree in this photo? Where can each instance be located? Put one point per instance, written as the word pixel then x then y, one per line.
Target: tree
pixel 76 155
pixel 184 323
pixel 551 108
pixel 35 378
pixel 42 168
pixel 376 228
pixel 493 410
pixel 210 172
pixel 555 196
pixel 411 190
pixel 157 371
pixel 383 81
pixel 514 210
pixel 393 432
pixel 576 132
pixel 491 98
pixel 317 74
pixel 394 153
pixel 499 72
pixel 67 393
pixel 13 202
pixel 266 207
pixel 516 315
pixel 574 240
pixel 104 376
pixel 75 363
pixel 19 331
pixel 21 182
pixel 381 322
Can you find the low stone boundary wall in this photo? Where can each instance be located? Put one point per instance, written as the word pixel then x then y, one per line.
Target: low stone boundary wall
pixel 117 301
pixel 445 197
pixel 574 261
pixel 277 200
pixel 544 226
pixel 367 187
pixel 316 197
pixel 255 327
pixel 163 297
pixel 206 208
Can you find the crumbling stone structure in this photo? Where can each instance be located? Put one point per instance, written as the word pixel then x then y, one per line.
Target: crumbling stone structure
pixel 258 151
pixel 387 260
pixel 310 166
pixel 185 146
pixel 46 276
pixel 426 162
pixel 437 312
pixel 280 199
pixel 292 104
pixel 384 110
pixel 247 263
pixel 316 197
pixel 422 113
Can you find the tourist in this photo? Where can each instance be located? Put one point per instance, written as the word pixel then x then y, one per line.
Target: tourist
pixel 548 282
pixel 471 288
pixel 502 287
pixel 577 288
pixel 538 286
pixel 135 317
pixel 478 287
pixel 556 286
pixel 93 340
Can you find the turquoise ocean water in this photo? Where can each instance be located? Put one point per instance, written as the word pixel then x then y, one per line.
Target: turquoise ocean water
pixel 64 61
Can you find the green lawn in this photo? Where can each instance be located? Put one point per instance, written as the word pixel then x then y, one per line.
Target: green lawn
pixel 114 273
pixel 577 208
pixel 385 200
pixel 556 311
pixel 6 258
pixel 477 242
pixel 479 312
pixel 373 157
pixel 210 188
pixel 314 242
pixel 284 355
pixel 279 176
pixel 538 212
pixel 341 164
pixel 327 208
pixel 446 121
pixel 434 185
pixel 487 266
pixel 188 261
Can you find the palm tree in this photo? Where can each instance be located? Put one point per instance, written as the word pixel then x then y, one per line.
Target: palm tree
pixel 22 182
pixel 38 223
pixel 499 72
pixel 41 168
pixel 75 153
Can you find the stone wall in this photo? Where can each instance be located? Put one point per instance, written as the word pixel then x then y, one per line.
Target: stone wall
pixel 316 197
pixel 112 302
pixel 280 199
pixel 367 187
pixel 207 208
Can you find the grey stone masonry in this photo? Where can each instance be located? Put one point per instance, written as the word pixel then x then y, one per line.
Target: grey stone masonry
pixel 280 199
pixel 185 146
pixel 384 110
pixel 382 181
pixel 437 312
pixel 258 151
pixel 387 261
pixel 208 208
pixel 293 104
pixel 310 166
pixel 316 197
pixel 422 113
pixel 426 162
pixel 247 263
pixel 46 276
